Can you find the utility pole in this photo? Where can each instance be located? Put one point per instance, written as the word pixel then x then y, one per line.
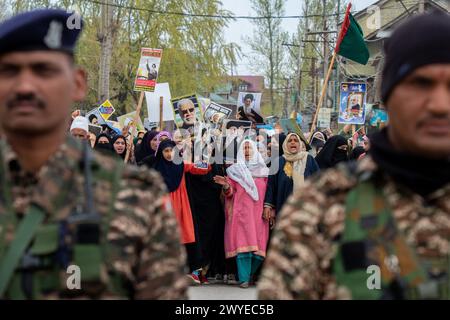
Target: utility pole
pixel 286 97
pixel 338 76
pixel 422 6
pixel 105 37
pixel 325 36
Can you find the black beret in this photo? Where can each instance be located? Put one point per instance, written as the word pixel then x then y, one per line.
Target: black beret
pixel 421 40
pixel 44 29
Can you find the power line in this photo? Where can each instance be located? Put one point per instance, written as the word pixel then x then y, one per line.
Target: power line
pixel 213 16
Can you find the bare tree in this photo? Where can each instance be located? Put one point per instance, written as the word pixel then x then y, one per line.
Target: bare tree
pixel 267 42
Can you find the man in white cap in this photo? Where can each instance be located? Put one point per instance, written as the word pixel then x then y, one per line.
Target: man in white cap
pixel 80 128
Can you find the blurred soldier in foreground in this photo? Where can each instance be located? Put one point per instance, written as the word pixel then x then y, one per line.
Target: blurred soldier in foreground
pixel 379 229
pixel 73 224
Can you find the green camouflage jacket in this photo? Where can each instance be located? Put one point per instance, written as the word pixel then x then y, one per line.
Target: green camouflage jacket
pixel 144 255
pixel 304 246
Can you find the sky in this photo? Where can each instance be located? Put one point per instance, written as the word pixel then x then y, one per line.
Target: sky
pixel 238 29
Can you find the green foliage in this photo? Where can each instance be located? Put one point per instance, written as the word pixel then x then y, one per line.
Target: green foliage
pixel 195 54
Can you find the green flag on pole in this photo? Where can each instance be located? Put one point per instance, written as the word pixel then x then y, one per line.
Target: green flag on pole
pixel 350 42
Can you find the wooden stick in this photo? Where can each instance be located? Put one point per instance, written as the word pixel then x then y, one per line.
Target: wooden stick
pixel 322 96
pixel 161 100
pixel 134 125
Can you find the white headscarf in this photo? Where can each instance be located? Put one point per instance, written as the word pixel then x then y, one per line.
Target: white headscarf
pixel 244 171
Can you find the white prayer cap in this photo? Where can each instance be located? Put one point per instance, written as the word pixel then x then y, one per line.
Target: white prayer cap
pixel 80 123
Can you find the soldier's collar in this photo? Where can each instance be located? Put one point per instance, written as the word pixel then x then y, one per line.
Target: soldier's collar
pixel 69 151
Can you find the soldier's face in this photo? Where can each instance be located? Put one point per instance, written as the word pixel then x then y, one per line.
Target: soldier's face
pixel 419 112
pixel 37 89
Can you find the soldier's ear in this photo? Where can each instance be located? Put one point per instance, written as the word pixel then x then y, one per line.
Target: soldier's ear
pixel 80 82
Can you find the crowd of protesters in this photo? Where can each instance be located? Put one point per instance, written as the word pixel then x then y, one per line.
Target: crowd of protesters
pixel 226 189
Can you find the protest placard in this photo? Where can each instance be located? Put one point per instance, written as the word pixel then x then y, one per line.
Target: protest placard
pixel 324 118
pixel 94 117
pixel 215 114
pixel 95 129
pixel 128 119
pixel 149 125
pixel 106 109
pixel 153 103
pixel 148 70
pixel 352 103
pixel 187 112
pixel 249 106
pixel 378 116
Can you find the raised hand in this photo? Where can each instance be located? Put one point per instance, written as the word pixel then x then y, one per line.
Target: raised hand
pixel 220 180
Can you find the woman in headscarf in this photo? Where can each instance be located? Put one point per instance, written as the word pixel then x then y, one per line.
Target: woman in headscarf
pixel 103 143
pixel 207 211
pixel 318 141
pixel 120 146
pixel 147 148
pixel 294 166
pixel 246 232
pixel 333 152
pixel 174 178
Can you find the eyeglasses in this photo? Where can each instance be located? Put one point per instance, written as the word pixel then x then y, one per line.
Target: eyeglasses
pixel 190 110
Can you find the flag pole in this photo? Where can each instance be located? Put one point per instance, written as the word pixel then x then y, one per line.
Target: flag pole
pixel 327 78
pixel 134 125
pixel 322 96
pixel 161 103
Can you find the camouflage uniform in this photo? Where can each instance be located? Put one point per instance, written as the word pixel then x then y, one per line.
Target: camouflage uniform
pixel 305 245
pixel 144 258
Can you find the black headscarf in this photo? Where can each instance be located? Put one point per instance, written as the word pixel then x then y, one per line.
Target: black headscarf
pixel 356 153
pixel 420 174
pixel 330 155
pixel 144 149
pixel 114 139
pixel 102 147
pixel 171 172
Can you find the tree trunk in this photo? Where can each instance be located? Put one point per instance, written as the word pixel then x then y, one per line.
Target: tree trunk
pixel 105 38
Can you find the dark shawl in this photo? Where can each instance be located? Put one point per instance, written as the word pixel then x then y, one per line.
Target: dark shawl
pixel 103 147
pixel 143 149
pixel 172 173
pixel 330 155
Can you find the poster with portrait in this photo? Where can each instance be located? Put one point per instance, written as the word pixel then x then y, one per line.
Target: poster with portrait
pixel 94 117
pixel 352 103
pixel 127 120
pixel 215 114
pixel 148 70
pixel 187 112
pixel 249 103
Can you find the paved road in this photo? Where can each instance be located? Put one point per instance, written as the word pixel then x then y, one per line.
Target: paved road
pixel 221 292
